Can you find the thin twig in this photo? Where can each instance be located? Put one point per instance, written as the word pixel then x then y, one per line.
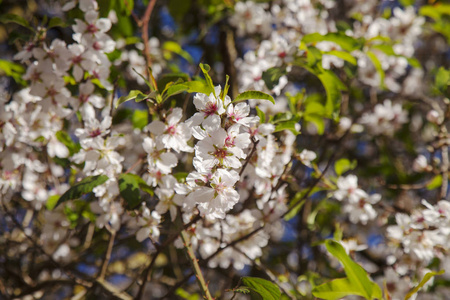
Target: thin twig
pixel 255 143
pixel 198 272
pixel 107 256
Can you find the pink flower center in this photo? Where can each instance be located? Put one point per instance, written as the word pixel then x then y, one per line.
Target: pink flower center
pixel 97 46
pixel 95 132
pixel 220 153
pixel 229 141
pixel 51 92
pixel 83 98
pixel 92 28
pixel 282 54
pixel 30 47
pixel 36 76
pixel 210 109
pixel 361 203
pixel 77 59
pixel 172 130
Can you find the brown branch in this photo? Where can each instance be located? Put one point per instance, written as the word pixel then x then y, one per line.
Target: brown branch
pixel 194 261
pixel 159 249
pixel 102 273
pixel 144 23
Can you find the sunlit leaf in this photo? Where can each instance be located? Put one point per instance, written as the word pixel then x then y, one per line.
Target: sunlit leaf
pixel 266 289
pixel 424 280
pixel 256 95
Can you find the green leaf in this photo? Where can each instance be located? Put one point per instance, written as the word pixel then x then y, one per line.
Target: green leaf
pixel 343 165
pixel 261 115
pixel 318 121
pixel 266 289
pixel 130 186
pixel 12 69
pixel 224 92
pixel 128 5
pixel 257 95
pixel 336 289
pixel 424 280
pixel 287 125
pixel 12 18
pixel 190 87
pixel 165 79
pixel 442 79
pixel 205 69
pixel 56 22
pixel 139 119
pixel 272 76
pixel 435 182
pixel 124 25
pixel 180 176
pixel 357 276
pixel 132 95
pixel 346 42
pixel 185 295
pixel 176 48
pixel 314 56
pixel 51 202
pixel 377 64
pixel 297 203
pixel 333 86
pixel 435 11
pixel 386 49
pixel 82 187
pixel 65 138
pixel 281 117
pixel 343 55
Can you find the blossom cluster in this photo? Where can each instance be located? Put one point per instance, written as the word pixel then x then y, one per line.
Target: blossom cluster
pixel 231 171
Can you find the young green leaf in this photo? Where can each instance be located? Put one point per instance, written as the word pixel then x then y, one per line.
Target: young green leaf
pixel 343 55
pixel 190 87
pixel 333 86
pixel 51 202
pixel 82 187
pixel 424 280
pixel 287 125
pixel 336 289
pixel 266 289
pixel 257 95
pixel 435 182
pixel 225 88
pixel 132 95
pixel 205 69
pixel 356 275
pixel 261 115
pixel 176 48
pixel 343 165
pixel 377 64
pixel 65 138
pixel 139 119
pixel 346 42
pixel 442 79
